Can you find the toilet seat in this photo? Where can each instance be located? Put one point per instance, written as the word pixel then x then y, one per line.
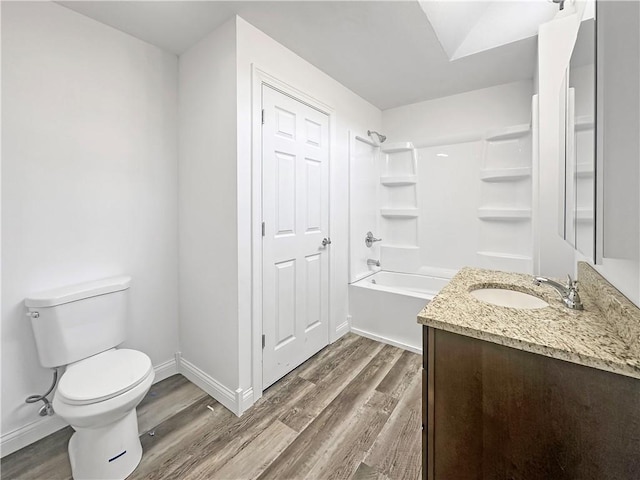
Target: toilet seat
pixel 103 376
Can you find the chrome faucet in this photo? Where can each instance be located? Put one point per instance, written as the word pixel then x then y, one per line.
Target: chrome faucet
pixel 369 240
pixel 372 262
pixel 568 292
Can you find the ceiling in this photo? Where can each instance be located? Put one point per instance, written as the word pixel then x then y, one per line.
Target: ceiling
pixel 385 51
pixel 466 27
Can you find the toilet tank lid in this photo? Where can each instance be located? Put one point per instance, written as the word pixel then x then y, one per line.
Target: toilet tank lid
pixel 71 293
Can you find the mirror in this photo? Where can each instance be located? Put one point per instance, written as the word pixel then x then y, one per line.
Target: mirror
pixel 579 119
pixel 618 146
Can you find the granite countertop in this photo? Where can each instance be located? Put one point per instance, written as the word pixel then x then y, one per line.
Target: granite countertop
pixel 585 337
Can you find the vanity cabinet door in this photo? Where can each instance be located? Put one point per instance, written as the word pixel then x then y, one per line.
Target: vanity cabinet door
pixel 425 401
pixel 501 413
pixel 454 409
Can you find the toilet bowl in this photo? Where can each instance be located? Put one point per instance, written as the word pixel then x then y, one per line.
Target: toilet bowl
pixel 98 397
pixel 80 326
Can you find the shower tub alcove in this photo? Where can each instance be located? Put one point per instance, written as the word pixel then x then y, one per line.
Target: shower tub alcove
pixel 384 307
pixel 383 199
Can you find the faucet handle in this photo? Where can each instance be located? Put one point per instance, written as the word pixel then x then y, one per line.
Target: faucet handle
pixel 369 240
pixel 568 292
pixel 573 299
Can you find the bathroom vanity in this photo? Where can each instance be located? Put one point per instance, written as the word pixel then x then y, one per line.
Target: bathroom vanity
pixel 542 393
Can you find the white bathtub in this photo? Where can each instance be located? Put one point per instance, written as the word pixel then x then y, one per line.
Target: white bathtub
pixel 384 307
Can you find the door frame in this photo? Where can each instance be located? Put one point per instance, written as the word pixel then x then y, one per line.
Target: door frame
pixel 259 77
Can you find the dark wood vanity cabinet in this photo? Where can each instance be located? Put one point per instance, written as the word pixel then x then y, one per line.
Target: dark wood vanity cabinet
pixel 494 412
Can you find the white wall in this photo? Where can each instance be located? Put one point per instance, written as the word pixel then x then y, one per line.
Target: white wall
pixel 207 205
pixel 352 113
pixel 364 209
pixel 448 203
pixel 468 114
pixel 89 185
pixel 216 213
pixel 448 134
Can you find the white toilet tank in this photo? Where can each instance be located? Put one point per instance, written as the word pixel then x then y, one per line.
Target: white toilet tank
pixel 75 322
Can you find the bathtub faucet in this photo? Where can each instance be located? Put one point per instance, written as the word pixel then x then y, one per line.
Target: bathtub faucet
pixel 372 262
pixel 369 240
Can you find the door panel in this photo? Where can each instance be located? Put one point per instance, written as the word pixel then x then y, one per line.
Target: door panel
pixel 295 205
pixel 285 302
pixel 285 200
pixel 313 282
pixel 314 194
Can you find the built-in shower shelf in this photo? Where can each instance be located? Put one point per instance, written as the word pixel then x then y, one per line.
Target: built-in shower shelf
pixel 508 133
pixel 399 212
pixel 398 181
pixel 509 256
pixel 397 147
pixel 504 214
pixel 504 174
pixel 401 248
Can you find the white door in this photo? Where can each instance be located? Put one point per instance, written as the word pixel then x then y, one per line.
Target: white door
pixel 295 210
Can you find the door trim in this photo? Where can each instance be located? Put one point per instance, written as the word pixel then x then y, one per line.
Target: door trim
pixel 259 77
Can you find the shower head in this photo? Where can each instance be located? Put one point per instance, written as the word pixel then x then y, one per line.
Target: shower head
pixel 381 138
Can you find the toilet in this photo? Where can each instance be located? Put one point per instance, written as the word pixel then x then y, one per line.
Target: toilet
pixel 80 327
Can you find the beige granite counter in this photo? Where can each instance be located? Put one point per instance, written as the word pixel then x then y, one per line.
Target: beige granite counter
pixel 588 337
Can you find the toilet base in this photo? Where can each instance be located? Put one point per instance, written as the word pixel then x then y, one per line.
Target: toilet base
pixel 111 452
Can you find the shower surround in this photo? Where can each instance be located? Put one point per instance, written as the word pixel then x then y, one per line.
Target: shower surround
pixel 451 187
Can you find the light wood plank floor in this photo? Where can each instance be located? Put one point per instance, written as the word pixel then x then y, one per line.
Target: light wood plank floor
pixel 350 412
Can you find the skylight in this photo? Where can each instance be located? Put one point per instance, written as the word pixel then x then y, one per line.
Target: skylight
pixel 467 27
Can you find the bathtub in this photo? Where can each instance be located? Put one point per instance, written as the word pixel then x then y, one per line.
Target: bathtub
pixel 384 307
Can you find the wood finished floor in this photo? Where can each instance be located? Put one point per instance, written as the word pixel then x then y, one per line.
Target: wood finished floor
pixel 350 412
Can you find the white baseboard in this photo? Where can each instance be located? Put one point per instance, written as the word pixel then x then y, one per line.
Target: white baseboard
pixel 44 426
pixel 30 433
pixel 343 328
pixel 388 341
pixel 246 400
pixel 236 401
pixel 165 370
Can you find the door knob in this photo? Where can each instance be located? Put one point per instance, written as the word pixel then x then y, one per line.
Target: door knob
pixel 326 241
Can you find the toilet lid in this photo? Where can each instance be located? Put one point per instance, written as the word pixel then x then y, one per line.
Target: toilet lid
pixel 103 376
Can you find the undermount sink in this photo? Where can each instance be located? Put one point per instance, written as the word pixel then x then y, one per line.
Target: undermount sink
pixel 504 297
